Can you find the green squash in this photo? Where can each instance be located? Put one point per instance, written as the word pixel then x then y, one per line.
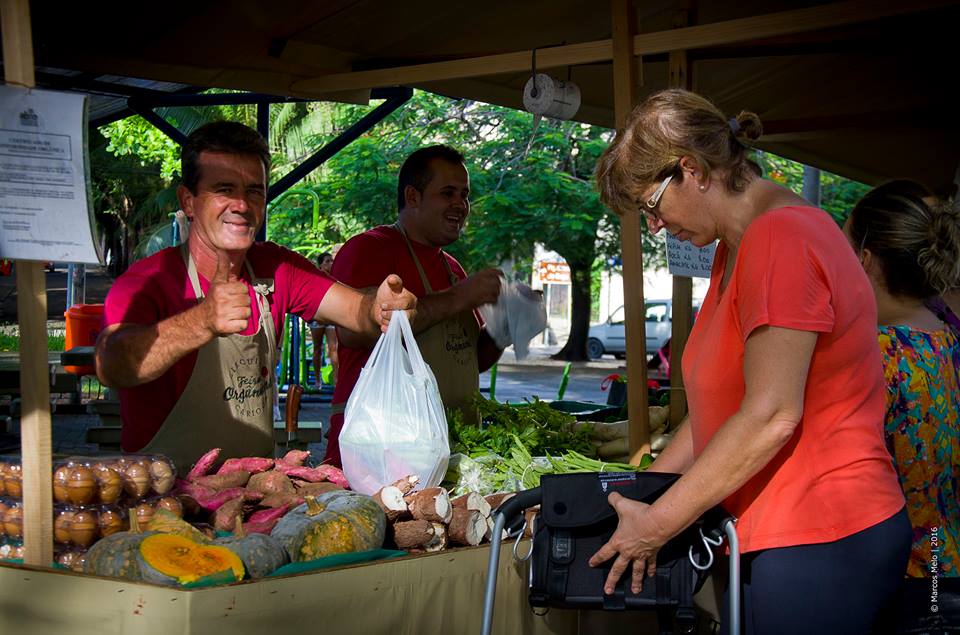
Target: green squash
pixel 117 555
pixel 173 559
pixel 331 523
pixel 261 554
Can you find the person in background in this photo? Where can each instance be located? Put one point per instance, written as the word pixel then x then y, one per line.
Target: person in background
pixel 320 331
pixel 783 380
pixel 909 246
pixel 433 199
pixel 190 332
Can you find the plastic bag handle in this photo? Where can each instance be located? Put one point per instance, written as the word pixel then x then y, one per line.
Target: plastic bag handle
pixel 412 350
pixel 390 335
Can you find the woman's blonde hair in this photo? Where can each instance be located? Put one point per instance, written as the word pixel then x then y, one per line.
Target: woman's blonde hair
pixel 915 237
pixel 665 127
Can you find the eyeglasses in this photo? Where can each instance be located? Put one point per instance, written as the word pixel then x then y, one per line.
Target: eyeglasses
pixel 649 209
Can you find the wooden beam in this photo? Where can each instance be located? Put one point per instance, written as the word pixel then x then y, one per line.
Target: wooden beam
pixel 694 37
pixel 631 246
pixel 35 442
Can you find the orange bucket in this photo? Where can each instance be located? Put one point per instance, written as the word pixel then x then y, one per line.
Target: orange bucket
pixel 84 323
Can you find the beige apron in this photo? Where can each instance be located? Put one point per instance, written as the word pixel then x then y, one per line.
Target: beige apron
pixel 449 347
pixel 228 402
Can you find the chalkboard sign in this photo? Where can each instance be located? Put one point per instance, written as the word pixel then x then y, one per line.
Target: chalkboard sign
pixel 685 259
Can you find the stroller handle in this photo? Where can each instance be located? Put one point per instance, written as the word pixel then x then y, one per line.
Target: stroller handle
pixel 515 505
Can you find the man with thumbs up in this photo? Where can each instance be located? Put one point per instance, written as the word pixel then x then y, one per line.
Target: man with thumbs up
pixel 191 332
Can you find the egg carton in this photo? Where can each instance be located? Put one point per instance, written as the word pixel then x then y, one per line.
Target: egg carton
pixel 123 479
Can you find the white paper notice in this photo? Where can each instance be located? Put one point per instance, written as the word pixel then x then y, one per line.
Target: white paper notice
pixel 44 203
pixel 685 259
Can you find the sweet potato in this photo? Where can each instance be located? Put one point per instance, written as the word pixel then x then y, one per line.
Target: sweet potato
pixel 204 464
pixel 219 481
pixel 193 490
pixel 315 474
pixel 280 499
pixel 211 500
pixel 272 482
pixel 249 464
pixel 294 458
pixel 224 517
pixel 262 522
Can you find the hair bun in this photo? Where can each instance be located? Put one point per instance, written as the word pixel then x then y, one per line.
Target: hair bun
pixel 748 125
pixel 941 260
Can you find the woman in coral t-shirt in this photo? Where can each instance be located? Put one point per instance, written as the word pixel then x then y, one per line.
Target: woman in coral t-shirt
pixel 783 381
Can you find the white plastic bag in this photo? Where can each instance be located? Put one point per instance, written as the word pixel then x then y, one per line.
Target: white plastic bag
pixel 516 318
pixel 394 424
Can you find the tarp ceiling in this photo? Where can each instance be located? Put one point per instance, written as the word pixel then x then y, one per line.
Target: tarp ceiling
pixel 864 96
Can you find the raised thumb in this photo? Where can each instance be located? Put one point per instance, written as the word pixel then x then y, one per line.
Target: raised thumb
pixel 222 274
pixel 395 283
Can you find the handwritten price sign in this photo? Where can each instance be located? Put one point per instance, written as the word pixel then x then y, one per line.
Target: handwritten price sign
pixel 685 259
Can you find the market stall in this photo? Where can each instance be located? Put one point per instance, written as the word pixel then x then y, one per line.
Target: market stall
pixel 431 592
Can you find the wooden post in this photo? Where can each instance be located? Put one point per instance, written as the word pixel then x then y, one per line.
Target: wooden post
pixel 631 247
pixel 682 318
pixel 32 318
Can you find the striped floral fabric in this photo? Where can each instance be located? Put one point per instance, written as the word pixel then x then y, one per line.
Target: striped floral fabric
pixel 923 435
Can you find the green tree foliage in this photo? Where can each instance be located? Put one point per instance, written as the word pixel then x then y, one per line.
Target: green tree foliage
pixel 837 194
pixel 531 183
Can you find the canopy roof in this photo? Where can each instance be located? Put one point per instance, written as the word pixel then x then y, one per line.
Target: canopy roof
pixel 861 88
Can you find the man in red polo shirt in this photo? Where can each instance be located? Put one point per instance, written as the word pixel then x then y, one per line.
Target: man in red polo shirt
pixel 433 192
pixel 190 337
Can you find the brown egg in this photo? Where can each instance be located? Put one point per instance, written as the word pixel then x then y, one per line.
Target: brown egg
pixel 3 509
pixel 109 485
pixel 3 472
pixel 111 521
pixel 144 512
pixel 78 561
pixel 172 505
pixel 81 485
pixel 162 476
pixel 136 480
pixel 60 477
pixel 85 528
pixel 13 480
pixel 17 552
pixel 61 526
pixel 13 522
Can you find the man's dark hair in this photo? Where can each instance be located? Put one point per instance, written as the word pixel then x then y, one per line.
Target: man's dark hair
pixel 220 136
pixel 321 257
pixel 416 169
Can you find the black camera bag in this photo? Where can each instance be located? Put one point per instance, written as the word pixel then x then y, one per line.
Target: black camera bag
pixel 575 520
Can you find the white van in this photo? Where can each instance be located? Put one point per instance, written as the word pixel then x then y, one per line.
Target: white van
pixel 610 337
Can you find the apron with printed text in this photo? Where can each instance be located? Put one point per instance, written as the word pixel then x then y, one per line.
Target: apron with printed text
pixel 228 401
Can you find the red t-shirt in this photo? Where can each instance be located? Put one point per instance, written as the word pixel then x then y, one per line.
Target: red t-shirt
pixel 795 269
pixel 157 288
pixel 364 261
